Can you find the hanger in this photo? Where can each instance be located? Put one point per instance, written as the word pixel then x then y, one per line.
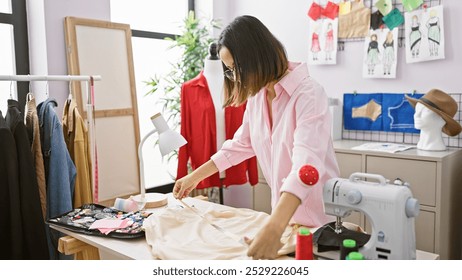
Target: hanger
pixel 47 89
pixel 30 86
pixel 69 97
pixel 11 89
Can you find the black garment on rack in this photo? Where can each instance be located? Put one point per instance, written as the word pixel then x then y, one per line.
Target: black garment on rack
pixel 10 218
pixel 34 236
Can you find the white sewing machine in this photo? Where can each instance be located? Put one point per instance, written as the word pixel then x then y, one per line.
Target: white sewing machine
pixel 391 210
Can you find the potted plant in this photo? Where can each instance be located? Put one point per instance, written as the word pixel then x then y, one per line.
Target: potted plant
pixel 194 41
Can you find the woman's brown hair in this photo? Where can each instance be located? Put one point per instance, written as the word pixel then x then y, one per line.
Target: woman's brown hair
pixel 259 58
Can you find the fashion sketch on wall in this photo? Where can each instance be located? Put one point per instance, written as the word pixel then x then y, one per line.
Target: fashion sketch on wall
pixel 322 41
pixel 424 32
pixel 380 53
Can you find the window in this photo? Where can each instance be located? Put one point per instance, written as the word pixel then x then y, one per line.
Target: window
pixel 152 21
pixel 5 6
pixel 151 16
pixel 14 53
pixel 6 65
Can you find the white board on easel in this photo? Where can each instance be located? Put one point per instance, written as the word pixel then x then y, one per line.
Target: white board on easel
pixel 102 47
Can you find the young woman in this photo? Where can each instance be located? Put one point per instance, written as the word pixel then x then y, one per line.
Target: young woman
pixel 286 125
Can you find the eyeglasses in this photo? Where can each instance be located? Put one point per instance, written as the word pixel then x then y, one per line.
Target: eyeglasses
pixel 230 74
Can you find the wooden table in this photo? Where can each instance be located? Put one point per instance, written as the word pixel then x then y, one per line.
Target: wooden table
pixel 138 249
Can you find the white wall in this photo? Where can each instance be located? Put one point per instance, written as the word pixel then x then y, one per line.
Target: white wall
pixel 47 46
pixel 289 22
pixel 37 46
pixel 286 19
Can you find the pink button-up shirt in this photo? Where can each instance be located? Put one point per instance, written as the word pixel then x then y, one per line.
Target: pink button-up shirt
pixel 300 134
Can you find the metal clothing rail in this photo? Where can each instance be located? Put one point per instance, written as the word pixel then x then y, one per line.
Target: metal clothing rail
pixel 68 78
pixel 27 78
pixel 90 118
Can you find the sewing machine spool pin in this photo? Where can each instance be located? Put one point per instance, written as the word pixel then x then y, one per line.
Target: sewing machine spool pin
pixel 338 225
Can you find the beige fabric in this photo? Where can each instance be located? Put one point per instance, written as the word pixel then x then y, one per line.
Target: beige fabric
pixel 178 233
pixel 356 23
pixel 33 130
pixel 76 134
pixel 371 110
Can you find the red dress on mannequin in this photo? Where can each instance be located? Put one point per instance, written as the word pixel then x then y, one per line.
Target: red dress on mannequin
pixel 198 127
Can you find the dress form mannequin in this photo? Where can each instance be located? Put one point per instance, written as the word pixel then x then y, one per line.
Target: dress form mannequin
pixel 430 125
pixel 213 72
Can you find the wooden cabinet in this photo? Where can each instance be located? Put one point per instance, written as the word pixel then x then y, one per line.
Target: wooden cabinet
pixel 435 179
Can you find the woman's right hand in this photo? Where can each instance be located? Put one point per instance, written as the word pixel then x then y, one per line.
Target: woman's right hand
pixel 184 186
pixel 189 182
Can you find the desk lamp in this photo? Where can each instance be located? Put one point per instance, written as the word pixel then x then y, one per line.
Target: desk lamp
pixel 169 141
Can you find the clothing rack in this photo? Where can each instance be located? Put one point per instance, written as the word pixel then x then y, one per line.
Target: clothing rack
pixel 90 118
pixel 27 78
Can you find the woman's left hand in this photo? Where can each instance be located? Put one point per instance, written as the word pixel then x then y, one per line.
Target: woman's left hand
pixel 266 243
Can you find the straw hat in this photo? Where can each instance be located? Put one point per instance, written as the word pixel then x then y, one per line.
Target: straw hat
pixel 442 104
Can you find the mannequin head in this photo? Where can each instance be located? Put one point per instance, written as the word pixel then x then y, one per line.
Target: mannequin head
pixel 443 105
pixel 213 67
pixel 425 118
pixel 430 125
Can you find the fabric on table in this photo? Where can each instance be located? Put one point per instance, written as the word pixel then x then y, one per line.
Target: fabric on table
pixel 179 233
pixel 327 240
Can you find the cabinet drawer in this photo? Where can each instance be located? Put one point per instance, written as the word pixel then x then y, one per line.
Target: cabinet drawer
pixel 421 175
pixel 348 164
pixel 425 231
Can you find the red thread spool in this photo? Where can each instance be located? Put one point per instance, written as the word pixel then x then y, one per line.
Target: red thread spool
pixel 304 247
